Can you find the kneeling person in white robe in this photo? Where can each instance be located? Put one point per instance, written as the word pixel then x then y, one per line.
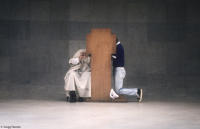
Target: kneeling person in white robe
pixel 78 77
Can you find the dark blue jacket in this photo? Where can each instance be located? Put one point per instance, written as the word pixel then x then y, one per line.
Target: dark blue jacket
pixel 119 61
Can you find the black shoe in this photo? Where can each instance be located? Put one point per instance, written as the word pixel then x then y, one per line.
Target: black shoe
pixel 140 94
pixel 72 97
pixel 80 99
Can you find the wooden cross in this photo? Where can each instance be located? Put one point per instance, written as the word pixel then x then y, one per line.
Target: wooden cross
pixel 101 44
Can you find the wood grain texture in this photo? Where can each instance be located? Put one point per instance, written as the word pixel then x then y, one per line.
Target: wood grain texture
pixel 101 45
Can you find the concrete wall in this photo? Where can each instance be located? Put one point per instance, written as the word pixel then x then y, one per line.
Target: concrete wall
pixel 160 37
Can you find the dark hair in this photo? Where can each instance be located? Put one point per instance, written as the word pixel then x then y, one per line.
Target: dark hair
pixel 117 40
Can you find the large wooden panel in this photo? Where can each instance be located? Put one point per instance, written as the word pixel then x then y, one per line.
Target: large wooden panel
pixel 101 45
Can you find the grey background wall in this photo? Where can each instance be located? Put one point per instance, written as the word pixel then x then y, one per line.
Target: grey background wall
pixel 160 37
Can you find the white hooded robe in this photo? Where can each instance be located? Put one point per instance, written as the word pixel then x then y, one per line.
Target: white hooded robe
pixel 78 77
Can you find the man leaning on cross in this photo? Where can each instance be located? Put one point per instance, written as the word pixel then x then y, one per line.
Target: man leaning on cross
pixel 78 77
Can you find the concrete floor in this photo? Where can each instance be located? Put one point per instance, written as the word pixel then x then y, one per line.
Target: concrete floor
pixel 46 114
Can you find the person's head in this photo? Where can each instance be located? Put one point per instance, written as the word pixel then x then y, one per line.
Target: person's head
pixel 117 40
pixel 83 53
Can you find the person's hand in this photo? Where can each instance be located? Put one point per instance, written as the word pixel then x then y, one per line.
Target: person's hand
pixel 81 57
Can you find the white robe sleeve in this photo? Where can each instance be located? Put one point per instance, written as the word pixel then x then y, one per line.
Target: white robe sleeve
pixel 74 61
